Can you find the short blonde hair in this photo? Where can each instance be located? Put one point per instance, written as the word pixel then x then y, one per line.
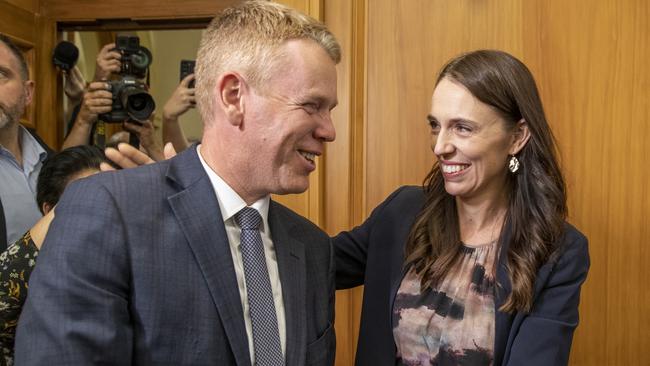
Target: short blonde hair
pixel 245 37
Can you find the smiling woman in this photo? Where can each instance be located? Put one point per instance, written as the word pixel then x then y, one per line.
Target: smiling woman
pixel 479 266
pixel 472 140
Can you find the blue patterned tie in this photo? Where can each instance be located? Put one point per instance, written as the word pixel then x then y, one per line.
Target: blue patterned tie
pixel 266 338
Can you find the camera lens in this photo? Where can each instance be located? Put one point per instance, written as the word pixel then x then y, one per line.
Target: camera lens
pixel 138 103
pixel 141 59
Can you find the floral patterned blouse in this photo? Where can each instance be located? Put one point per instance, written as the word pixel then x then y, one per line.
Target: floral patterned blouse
pixel 16 265
pixel 454 323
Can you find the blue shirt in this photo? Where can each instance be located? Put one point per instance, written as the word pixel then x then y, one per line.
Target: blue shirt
pixel 18 185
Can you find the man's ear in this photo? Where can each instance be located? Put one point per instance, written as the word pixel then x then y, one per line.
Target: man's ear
pixel 29 91
pixel 520 137
pixel 230 88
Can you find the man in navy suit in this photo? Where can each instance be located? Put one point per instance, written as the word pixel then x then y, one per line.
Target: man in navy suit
pixel 145 267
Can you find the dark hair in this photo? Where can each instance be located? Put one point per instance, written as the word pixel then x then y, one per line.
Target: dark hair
pixel 24 70
pixel 536 193
pixel 58 169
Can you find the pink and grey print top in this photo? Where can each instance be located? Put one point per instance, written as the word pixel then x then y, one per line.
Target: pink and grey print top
pixel 454 323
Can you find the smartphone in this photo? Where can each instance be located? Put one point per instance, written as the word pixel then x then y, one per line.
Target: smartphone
pixel 187 67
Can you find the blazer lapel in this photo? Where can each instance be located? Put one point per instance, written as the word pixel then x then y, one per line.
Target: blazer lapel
pixel 197 211
pixel 290 253
pixel 503 321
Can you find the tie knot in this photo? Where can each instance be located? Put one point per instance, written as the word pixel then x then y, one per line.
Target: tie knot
pixel 248 218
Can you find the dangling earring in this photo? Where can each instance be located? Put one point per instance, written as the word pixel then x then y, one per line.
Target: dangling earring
pixel 513 164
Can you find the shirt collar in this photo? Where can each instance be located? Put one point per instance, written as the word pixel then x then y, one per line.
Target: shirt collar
pixel 229 201
pixel 33 152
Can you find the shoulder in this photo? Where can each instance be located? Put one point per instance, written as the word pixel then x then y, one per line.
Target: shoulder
pixel 123 187
pixel 573 245
pixel 406 194
pixel 405 201
pixel 570 262
pixel 138 179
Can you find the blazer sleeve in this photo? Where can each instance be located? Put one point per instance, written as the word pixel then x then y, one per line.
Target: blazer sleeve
pixel 545 335
pixel 77 311
pixel 351 248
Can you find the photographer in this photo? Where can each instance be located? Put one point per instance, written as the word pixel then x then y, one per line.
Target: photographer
pixel 180 102
pixel 97 99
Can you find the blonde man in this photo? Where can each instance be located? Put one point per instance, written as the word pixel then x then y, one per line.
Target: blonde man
pixel 189 262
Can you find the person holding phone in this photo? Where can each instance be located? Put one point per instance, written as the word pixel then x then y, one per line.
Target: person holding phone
pixel 181 101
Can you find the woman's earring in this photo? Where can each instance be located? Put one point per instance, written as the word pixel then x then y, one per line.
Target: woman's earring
pixel 513 164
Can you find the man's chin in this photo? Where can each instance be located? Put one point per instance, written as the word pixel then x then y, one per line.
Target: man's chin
pixel 6 119
pixel 294 188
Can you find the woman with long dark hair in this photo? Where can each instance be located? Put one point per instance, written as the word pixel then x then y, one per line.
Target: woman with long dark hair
pixel 478 266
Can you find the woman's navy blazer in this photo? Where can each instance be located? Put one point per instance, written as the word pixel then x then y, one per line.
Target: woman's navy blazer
pixel 373 255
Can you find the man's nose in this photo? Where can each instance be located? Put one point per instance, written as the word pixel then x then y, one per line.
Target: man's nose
pixel 325 130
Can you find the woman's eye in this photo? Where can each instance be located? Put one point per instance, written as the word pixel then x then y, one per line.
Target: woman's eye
pixel 463 129
pixel 435 126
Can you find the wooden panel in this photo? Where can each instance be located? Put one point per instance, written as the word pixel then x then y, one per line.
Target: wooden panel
pixel 344 170
pixel 17 22
pixel 48 102
pixel 596 87
pixel 79 10
pixel 28 5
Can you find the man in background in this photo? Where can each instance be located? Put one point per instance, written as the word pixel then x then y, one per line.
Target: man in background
pixel 189 261
pixel 21 151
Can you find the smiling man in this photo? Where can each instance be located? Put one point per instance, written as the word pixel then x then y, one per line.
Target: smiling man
pixel 189 262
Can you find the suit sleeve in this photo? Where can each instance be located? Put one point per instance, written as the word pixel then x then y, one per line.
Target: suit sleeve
pixel 545 335
pixel 77 311
pixel 351 248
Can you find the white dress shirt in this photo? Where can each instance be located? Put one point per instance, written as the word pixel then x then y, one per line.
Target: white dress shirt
pixel 230 203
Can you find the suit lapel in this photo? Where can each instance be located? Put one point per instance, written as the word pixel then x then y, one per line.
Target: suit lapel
pixel 290 253
pixel 197 210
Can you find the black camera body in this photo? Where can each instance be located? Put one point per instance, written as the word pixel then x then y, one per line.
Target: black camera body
pixel 131 101
pixel 135 58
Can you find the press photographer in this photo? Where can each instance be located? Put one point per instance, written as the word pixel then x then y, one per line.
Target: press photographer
pixel 131 101
pixel 117 94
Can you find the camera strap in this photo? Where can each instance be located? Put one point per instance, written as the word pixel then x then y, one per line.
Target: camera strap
pixel 100 134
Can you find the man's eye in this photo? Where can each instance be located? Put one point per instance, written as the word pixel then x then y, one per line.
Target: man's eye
pixel 310 107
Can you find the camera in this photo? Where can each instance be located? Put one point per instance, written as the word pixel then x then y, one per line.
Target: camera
pixel 131 102
pixel 135 58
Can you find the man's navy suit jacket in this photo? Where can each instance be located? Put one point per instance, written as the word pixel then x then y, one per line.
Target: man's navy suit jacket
pixel 136 269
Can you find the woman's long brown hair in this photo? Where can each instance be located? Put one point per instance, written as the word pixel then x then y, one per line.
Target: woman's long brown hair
pixel 536 193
